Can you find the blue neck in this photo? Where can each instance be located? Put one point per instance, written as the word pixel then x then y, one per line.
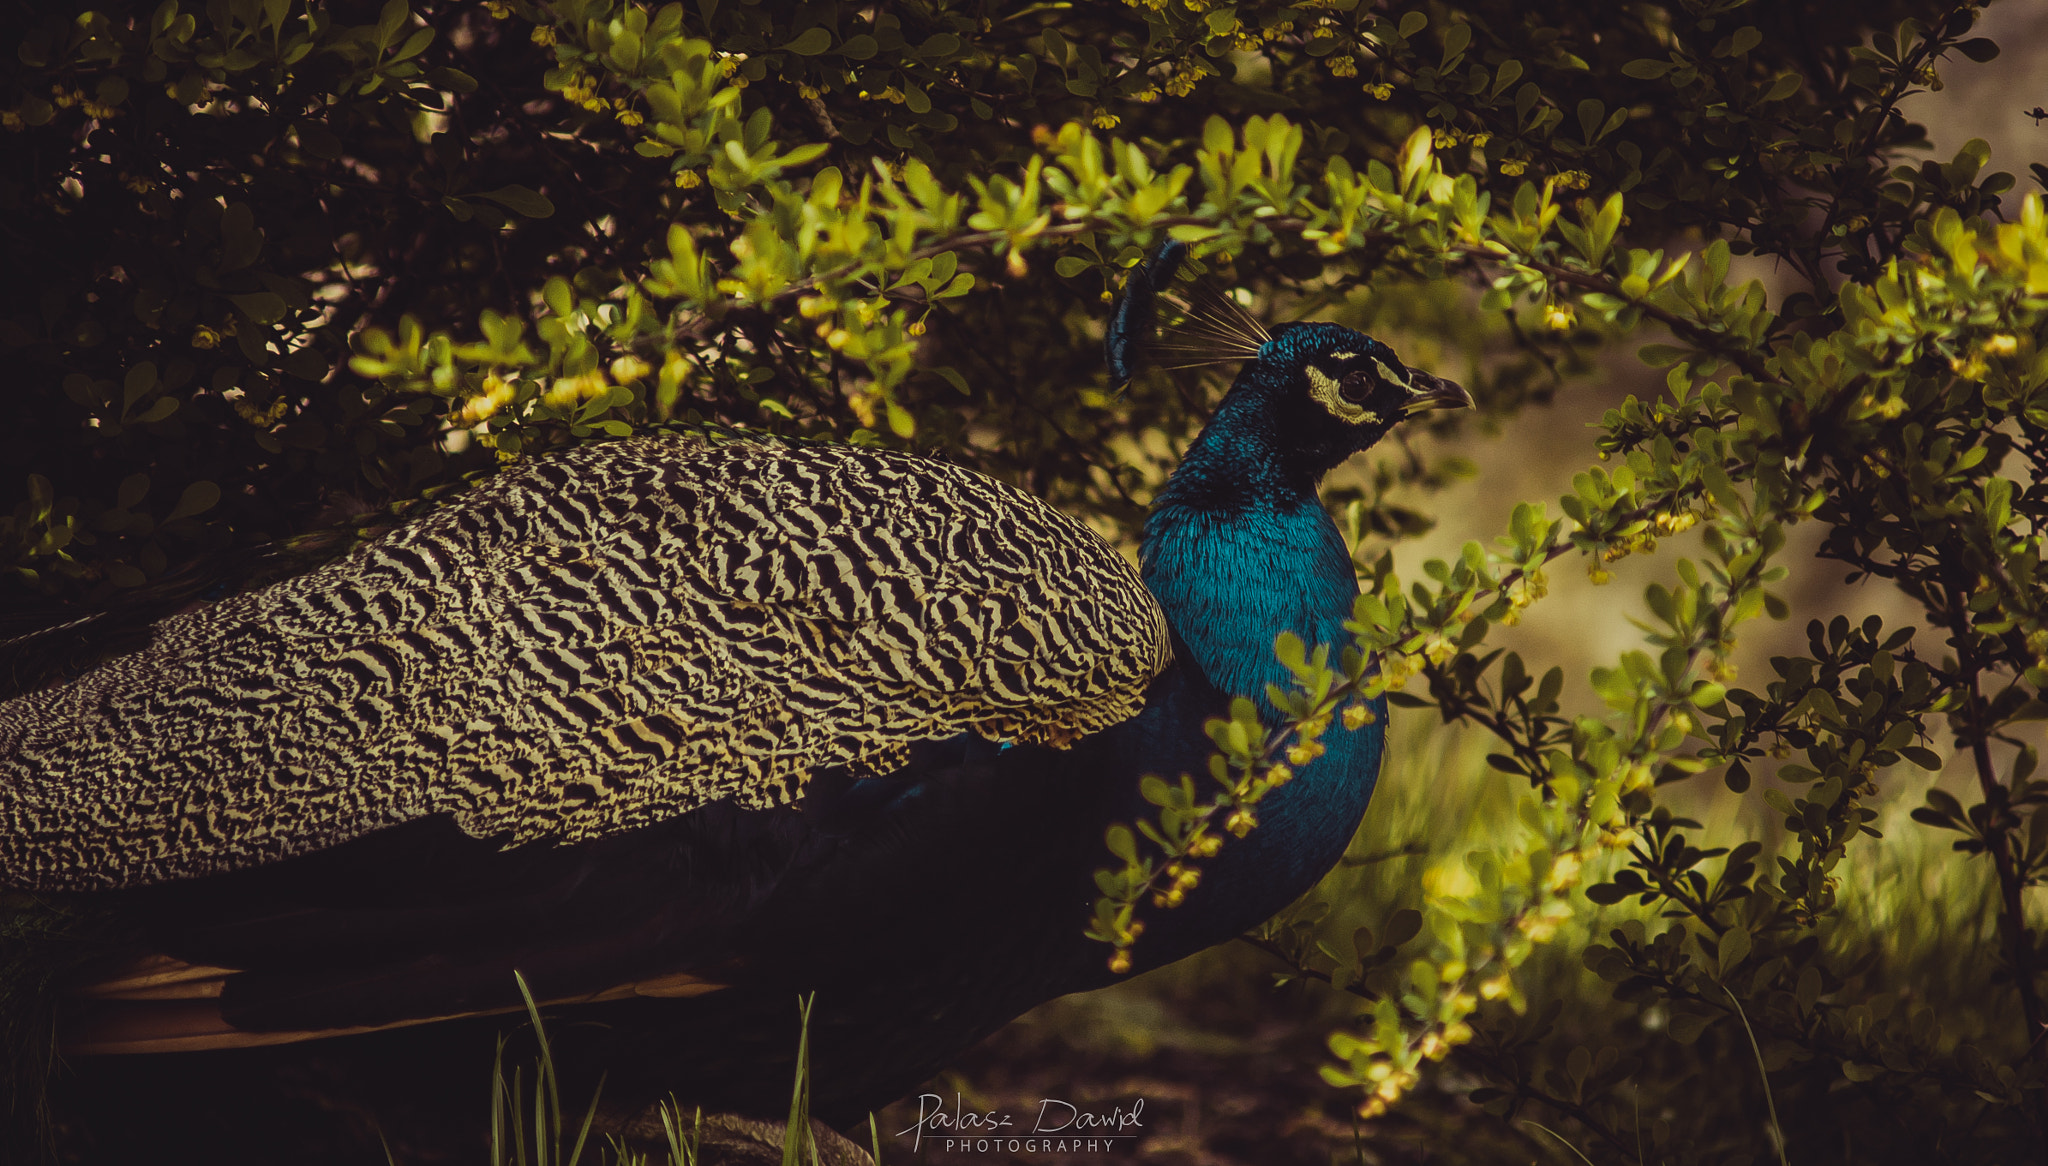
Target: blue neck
pixel 1237 549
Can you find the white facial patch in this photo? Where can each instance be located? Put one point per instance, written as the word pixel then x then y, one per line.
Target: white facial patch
pixel 1393 376
pixel 1324 388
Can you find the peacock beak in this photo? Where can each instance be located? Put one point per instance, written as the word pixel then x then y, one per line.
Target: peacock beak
pixel 1431 392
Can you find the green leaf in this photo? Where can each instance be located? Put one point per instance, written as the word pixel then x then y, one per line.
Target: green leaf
pixel 164 407
pixel 1403 926
pixel 1456 37
pixel 521 200
pixel 414 45
pixel 1686 1027
pixel 133 489
pixel 1785 86
pixel 1979 49
pixel 394 16
pixel 262 307
pixel 1735 945
pixel 453 80
pixel 859 48
pixel 1722 487
pixel 810 43
pixel 1122 843
pixel 137 384
pixel 198 498
pixel 558 296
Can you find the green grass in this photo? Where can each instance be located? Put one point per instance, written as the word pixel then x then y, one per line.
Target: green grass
pixel 527 1129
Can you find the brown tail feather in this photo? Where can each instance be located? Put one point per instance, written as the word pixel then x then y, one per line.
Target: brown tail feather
pixel 158 977
pixel 163 1005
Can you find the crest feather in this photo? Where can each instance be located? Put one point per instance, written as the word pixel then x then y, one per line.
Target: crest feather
pixel 1216 329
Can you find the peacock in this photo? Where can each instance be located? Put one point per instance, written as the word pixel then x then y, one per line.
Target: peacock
pixel 680 727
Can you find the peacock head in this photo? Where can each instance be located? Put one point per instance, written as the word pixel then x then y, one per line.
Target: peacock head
pixel 1319 391
pixel 1333 391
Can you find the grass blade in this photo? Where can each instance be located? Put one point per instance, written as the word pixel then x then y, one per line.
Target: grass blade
pixel 797 1139
pixel 1561 1139
pixel 589 1116
pixel 1770 1103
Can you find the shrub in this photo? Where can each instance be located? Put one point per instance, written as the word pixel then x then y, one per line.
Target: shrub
pixel 282 275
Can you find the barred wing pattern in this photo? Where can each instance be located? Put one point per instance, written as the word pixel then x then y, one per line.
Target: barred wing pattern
pixel 594 641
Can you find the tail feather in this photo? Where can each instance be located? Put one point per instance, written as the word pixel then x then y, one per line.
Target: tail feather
pixel 159 977
pixel 161 1008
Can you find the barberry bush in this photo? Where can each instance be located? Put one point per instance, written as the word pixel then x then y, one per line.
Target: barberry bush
pixel 284 272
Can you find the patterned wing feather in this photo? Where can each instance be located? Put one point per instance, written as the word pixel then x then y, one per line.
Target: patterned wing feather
pixel 592 642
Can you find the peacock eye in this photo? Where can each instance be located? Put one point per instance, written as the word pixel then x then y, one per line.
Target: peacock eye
pixel 1355 387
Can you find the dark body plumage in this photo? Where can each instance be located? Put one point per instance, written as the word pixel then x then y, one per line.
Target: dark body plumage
pixel 926 902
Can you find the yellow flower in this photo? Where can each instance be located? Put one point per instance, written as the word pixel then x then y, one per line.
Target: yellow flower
pixel 1104 120
pixel 1344 65
pixel 544 35
pixel 809 92
pixel 863 406
pixel 1381 91
pixel 689 179
pixel 1674 523
pixel 205 337
pixel 1512 167
pixel 630 368
pixel 1559 317
pixel 1563 873
pixel 1439 648
pixel 498 9
pixel 568 391
pixel 1574 180
pixel 497 394
pixel 2003 344
pixel 11 120
pixel 630 117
